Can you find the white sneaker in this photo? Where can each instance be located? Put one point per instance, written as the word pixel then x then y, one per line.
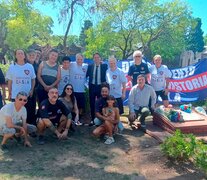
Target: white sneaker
pixel 110 140
pixel 106 136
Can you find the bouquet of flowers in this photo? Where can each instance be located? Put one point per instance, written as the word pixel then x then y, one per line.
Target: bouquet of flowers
pixel 186 108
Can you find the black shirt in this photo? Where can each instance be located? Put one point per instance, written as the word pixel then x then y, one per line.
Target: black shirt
pixel 52 111
pixel 136 70
pixel 100 103
pixel 2 78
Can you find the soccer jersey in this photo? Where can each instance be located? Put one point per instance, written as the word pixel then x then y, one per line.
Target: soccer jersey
pixel 136 70
pixel 158 77
pixel 21 76
pixel 65 79
pixel 52 111
pixel 78 76
pixel 115 79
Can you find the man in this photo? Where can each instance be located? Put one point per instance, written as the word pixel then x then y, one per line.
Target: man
pixel 116 79
pixel 138 68
pixel 160 75
pixel 99 105
pixel 31 104
pixel 2 85
pixel 65 74
pixel 48 75
pixel 97 75
pixel 138 101
pixel 53 115
pixel 78 71
pixel 38 56
pixel 13 121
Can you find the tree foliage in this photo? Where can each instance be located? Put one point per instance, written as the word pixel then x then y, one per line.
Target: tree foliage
pixel 142 24
pixel 99 40
pixel 67 11
pixel 205 39
pixel 195 39
pixel 82 38
pixel 21 25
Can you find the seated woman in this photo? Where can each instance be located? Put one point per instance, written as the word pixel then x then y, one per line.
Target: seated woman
pixel 111 120
pixel 69 100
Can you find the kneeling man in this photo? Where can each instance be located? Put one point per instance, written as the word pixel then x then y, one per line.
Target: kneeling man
pixel 138 101
pixel 54 115
pixel 13 121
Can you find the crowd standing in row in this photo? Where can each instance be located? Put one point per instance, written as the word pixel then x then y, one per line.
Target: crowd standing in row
pixel 60 94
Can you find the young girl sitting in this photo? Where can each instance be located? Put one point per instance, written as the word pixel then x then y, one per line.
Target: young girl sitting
pixel 112 118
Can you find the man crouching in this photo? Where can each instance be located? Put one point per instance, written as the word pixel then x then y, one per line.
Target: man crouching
pixel 13 121
pixel 54 115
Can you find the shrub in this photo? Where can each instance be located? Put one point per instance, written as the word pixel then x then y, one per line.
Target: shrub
pixel 185 147
pixel 200 156
pixel 179 146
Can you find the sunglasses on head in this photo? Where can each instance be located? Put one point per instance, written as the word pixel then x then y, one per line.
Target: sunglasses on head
pixel 69 88
pixel 20 99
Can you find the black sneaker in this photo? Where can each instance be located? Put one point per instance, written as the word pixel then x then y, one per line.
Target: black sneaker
pixel 4 148
pixel 40 140
pixel 18 139
pixel 71 128
pixel 143 129
pixel 33 134
pixel 91 124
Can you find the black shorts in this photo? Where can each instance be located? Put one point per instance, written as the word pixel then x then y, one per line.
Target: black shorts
pixel 55 121
pixel 81 100
pixel 119 104
pixel 162 95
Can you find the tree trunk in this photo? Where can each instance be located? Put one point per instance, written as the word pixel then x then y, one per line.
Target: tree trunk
pixel 69 25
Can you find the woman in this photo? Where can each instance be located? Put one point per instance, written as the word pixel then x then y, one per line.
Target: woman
pixel 68 98
pixel 21 77
pixel 48 75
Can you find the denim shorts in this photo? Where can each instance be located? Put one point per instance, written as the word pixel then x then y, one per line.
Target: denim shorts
pixel 5 130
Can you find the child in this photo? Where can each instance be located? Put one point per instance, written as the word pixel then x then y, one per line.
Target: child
pixel 112 114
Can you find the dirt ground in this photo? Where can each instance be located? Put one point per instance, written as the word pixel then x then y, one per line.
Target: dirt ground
pixel 134 156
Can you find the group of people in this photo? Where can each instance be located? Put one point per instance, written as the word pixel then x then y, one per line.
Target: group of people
pixel 59 91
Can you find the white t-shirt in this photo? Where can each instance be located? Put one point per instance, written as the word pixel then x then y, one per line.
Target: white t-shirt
pixel 9 110
pixel 78 76
pixel 65 79
pixel 21 76
pixel 115 79
pixel 158 77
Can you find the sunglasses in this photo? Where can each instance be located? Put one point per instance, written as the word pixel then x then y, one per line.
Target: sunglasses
pixel 20 99
pixel 68 88
pixel 137 56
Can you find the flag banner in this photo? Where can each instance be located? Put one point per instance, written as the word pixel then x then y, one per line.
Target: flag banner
pixel 187 84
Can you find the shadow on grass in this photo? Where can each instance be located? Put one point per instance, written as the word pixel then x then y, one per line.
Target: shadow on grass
pixel 186 169
pixel 82 156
